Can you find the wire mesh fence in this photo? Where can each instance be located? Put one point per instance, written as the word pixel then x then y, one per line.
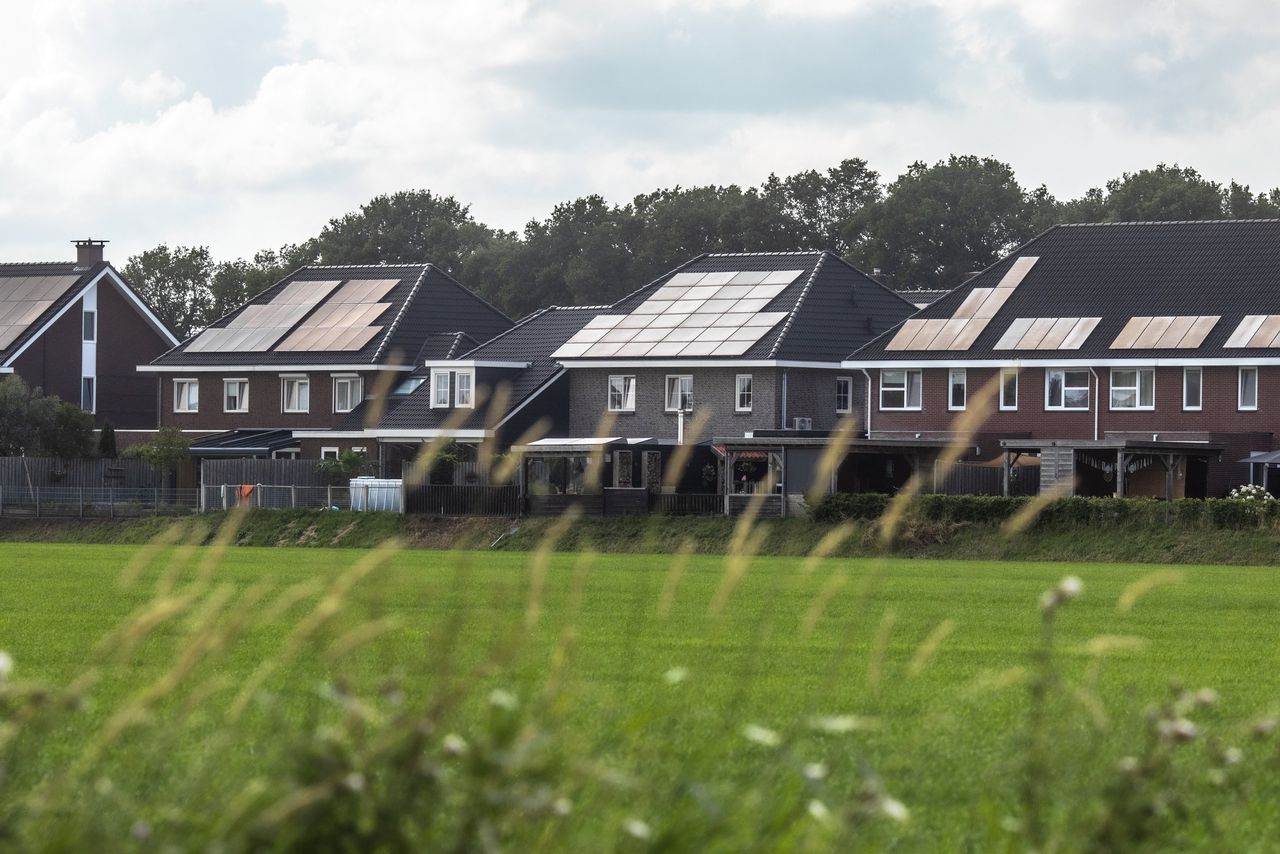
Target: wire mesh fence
pixel 275 496
pixel 96 502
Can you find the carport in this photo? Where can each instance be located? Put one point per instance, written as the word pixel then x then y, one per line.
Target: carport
pixel 1118 467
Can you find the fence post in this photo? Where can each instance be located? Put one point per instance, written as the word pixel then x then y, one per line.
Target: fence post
pixel 37 492
pixel 111 502
pixel 224 496
pixel 293 495
pixel 1 500
pixel 81 501
pixel 156 506
pixel 367 508
pixel 257 489
pixel 328 494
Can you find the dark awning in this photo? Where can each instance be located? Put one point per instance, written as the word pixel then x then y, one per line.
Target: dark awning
pixel 244 443
pixel 1266 457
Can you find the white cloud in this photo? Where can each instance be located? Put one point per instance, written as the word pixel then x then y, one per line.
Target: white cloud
pixel 155 88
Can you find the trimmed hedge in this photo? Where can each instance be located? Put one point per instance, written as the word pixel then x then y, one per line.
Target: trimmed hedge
pixel 1061 512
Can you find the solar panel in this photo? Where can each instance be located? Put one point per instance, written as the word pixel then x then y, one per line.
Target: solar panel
pixel 691 314
pixel 905 333
pixel 1047 333
pixel 971 317
pixel 1079 333
pixel 1182 332
pixel 1245 331
pixel 259 326
pixel 23 299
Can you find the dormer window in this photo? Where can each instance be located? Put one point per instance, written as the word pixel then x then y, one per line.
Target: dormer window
pixel 439 389
pixel 464 390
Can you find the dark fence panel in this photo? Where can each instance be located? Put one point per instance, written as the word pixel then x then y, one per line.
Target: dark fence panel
pixel 689 504
pixel 450 500
pixel 96 502
pixel 30 473
pixel 975 479
pixel 281 472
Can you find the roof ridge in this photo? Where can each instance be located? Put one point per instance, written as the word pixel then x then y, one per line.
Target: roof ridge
pixel 1170 222
pixel 519 323
pixel 774 252
pixel 404 307
pixel 791 315
pixel 872 279
pixel 364 266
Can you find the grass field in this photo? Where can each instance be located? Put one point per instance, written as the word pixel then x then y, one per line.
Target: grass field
pixel 658 702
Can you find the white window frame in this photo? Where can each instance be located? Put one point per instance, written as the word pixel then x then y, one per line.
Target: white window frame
pixel 905 389
pixel 680 378
pixel 89 314
pixel 244 402
pixel 436 389
pixel 626 402
pixel 93 394
pixel 1240 405
pixel 739 391
pixel 1049 407
pixel 327 451
pixel 360 449
pixel 847 382
pixel 470 401
pixel 186 382
pixel 285 379
pixel 1186 373
pixel 1137 390
pixel 356 397
pixel 951 385
pixel 1005 375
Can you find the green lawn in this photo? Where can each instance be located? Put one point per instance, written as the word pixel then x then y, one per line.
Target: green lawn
pixel 438 631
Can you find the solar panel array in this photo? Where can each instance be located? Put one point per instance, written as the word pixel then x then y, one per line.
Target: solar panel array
pixel 343 319
pixel 1256 330
pixel 967 322
pixel 1182 332
pixel 24 298
pixel 692 314
pixel 1047 333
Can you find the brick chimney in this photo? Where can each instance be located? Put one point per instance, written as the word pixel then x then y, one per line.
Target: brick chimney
pixel 89 252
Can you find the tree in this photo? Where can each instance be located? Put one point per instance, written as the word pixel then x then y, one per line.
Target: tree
pixel 1162 193
pixel 937 223
pixel 107 442
pixel 35 424
pixel 166 450
pixel 830 209
pixel 175 282
pixel 348 465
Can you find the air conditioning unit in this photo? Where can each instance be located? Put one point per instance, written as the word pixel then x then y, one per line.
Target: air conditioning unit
pixel 802 424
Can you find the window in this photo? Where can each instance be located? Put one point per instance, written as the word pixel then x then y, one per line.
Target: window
pixel 1133 388
pixel 186 395
pixel 328 453
pixel 87 401
pixel 90 326
pixel 462 391
pixel 1248 398
pixel 1192 388
pixel 679 393
pixel 409 386
pixel 957 388
pixel 360 449
pixel 742 393
pixel 844 395
pixel 1066 389
pixel 295 394
pixel 900 389
pixel 439 389
pixel 235 395
pixel 622 394
pixel 1009 389
pixel 347 393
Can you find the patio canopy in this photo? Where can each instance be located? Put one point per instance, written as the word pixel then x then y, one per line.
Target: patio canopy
pixel 244 443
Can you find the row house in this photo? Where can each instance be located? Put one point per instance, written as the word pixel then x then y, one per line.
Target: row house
pixel 304 366
pixel 77 330
pixel 1122 359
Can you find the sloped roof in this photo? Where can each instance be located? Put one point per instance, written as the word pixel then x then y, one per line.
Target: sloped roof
pixel 423 302
pixel 829 308
pixel 1115 272
pixel 532 340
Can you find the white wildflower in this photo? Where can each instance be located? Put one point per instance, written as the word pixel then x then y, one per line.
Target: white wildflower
pixel 354 781
pixel 761 735
pixel 819 811
pixel 1070 587
pixel 1206 697
pixel 840 724
pixel 502 699
pixel 638 829
pixel 675 675
pixel 1128 765
pixel 1178 729
pixel 1265 727
pixel 6 665
pixel 140 831
pixel 454 744
pixel 1232 756
pixel 562 806
pixel 894 809
pixel 815 771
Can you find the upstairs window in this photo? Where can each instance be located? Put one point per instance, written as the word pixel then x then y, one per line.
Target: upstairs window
pixel 742 393
pixel 347 393
pixel 1192 389
pixel 295 394
pixel 1248 394
pixel 408 386
pixel 1066 389
pixel 463 391
pixel 439 389
pixel 622 393
pixel 679 393
pixel 235 396
pixel 186 395
pixel 957 388
pixel 844 395
pixel 88 394
pixel 1133 389
pixel 900 389
pixel 1009 389
pixel 89 331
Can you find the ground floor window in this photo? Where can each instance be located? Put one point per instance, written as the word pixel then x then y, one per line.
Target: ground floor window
pixel 328 453
pixel 88 394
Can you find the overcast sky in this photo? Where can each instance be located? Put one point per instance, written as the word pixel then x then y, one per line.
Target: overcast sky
pixel 243 124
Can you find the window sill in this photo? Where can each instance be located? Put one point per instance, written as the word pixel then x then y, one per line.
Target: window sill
pixel 900 409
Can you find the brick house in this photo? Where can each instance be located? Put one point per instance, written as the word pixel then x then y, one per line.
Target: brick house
pixel 77 330
pixel 1127 358
pixel 300 369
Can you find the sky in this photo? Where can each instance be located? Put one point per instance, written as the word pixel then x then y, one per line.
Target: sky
pixel 246 124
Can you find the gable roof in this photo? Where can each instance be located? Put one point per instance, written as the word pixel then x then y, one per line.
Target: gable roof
pixel 396 320
pixel 824 308
pixel 1196 281
pixel 34 295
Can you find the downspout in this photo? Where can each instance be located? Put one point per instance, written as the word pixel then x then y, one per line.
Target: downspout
pixel 867 393
pixel 784 399
pixel 1097 401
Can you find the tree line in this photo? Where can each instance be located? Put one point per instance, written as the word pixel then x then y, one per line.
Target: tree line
pixel 926 229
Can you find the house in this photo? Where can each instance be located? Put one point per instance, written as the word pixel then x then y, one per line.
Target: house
pixel 301 368
pixel 76 329
pixel 726 345
pixel 1122 359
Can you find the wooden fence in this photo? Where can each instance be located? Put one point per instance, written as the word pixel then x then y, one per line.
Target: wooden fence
pixel 20 475
pixel 975 479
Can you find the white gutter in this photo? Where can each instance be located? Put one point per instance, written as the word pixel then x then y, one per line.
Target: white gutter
pixel 1167 362
pixel 694 363
pixel 268 369
pixel 471 363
